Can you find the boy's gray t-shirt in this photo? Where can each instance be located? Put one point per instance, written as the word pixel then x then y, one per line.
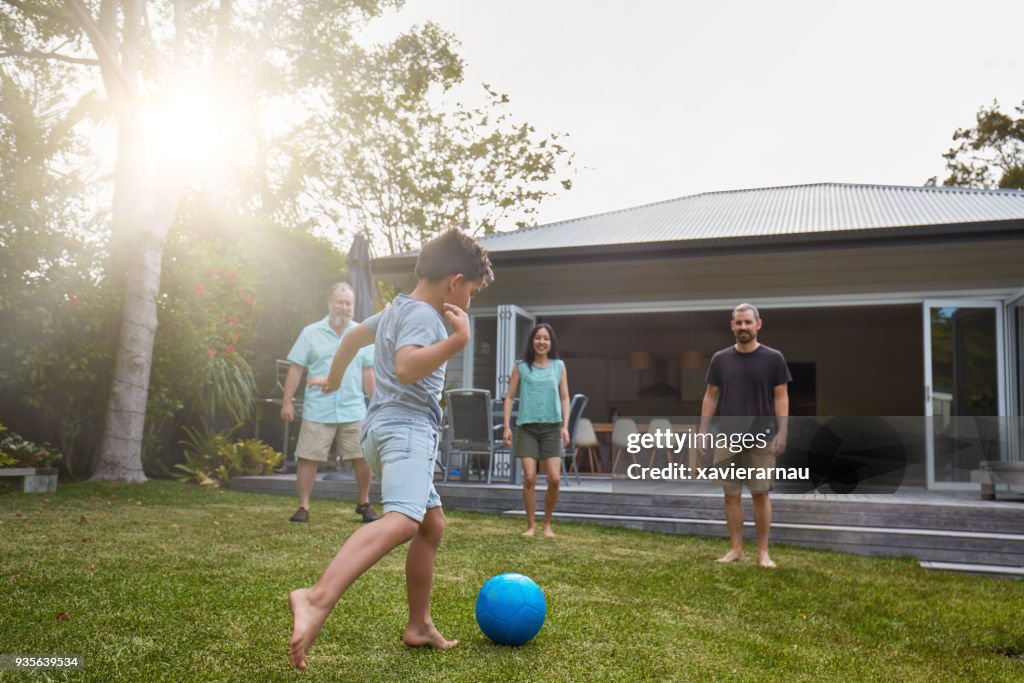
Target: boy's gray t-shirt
pixel 406 322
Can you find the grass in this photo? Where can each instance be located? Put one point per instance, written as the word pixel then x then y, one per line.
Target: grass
pixel 163 581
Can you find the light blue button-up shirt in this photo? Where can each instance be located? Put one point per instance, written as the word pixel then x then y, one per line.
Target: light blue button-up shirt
pixel 314 350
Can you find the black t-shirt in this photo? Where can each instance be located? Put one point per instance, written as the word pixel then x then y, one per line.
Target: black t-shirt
pixel 747 382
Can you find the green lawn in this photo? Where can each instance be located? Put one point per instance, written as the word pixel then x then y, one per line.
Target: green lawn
pixel 164 581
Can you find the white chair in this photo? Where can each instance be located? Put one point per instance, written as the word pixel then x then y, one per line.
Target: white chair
pixel 691 453
pixel 624 426
pixel 660 424
pixel 586 441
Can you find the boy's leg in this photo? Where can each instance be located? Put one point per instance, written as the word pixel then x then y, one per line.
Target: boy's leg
pixel 553 471
pixel 530 494
pixel 310 606
pixel 419 577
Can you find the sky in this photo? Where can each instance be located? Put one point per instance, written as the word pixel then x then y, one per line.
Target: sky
pixel 664 99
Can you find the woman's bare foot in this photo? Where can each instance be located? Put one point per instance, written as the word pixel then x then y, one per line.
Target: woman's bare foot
pixel 766 561
pixel 731 556
pixel 426 636
pixel 530 531
pixel 548 533
pixel 307 620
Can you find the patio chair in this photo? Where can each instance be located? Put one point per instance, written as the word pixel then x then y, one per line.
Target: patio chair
pixel 690 454
pixel 576 407
pixel 624 426
pixel 660 424
pixel 504 463
pixel 470 428
pixel 586 441
pixel 280 375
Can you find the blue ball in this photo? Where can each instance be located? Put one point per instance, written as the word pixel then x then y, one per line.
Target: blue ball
pixel 510 609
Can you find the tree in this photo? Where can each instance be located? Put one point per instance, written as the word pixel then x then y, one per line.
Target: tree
pixel 990 154
pixel 409 175
pixel 270 73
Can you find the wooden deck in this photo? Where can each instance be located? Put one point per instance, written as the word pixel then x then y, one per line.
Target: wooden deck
pixel 956 531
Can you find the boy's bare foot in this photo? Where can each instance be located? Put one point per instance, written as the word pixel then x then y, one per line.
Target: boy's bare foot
pixel 766 561
pixel 426 636
pixel 731 556
pixel 530 532
pixel 307 620
pixel 548 533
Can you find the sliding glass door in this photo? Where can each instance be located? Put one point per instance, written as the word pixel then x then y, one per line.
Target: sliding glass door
pixel 964 388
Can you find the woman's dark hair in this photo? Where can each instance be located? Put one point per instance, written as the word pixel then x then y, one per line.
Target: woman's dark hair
pixel 529 355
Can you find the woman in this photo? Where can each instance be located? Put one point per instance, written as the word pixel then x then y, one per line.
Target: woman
pixel 542 428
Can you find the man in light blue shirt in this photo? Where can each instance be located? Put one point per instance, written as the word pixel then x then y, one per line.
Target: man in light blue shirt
pixel 330 419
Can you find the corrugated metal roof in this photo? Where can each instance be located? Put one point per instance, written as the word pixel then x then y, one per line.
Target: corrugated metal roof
pixel 767 212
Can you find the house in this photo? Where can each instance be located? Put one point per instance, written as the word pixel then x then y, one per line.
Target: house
pixel 887 301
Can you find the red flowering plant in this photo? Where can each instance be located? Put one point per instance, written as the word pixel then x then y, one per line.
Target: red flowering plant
pixel 204 335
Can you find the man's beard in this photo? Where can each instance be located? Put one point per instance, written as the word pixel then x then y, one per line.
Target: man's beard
pixel 339 320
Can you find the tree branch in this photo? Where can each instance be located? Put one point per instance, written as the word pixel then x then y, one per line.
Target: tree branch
pixel 36 9
pixel 106 54
pixel 36 54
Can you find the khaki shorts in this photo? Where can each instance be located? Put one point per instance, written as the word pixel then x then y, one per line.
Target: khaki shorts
pixel 754 458
pixel 316 439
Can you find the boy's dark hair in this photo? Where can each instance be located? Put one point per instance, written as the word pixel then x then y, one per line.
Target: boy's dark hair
pixel 453 253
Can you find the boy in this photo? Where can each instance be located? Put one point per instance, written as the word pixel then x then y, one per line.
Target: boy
pixel 400 435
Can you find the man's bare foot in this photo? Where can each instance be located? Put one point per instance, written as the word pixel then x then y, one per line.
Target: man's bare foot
pixel 548 533
pixel 426 636
pixel 530 532
pixel 766 561
pixel 731 556
pixel 307 620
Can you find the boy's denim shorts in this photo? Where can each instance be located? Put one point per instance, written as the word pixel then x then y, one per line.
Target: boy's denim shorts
pixel 402 454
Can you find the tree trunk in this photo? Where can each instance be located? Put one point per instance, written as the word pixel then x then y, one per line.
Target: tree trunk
pixel 144 210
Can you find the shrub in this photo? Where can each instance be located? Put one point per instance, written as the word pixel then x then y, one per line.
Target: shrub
pixel 18 452
pixel 212 458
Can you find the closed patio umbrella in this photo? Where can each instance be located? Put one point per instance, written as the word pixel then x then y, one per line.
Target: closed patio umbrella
pixel 360 276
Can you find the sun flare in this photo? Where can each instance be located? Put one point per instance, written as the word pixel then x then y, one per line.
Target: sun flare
pixel 191 131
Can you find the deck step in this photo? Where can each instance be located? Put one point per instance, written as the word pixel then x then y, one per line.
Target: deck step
pixel 986 569
pixel 930 528
pixel 933 545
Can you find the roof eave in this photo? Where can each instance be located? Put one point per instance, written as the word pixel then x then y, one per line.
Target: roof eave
pixel 918 234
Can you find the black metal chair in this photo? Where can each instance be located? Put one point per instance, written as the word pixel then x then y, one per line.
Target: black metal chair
pixel 281 368
pixel 576 407
pixel 470 428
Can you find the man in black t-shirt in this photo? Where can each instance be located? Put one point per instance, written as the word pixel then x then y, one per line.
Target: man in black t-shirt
pixel 746 389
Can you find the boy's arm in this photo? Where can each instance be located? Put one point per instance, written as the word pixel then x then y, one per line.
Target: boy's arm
pixel 413 363
pixel 350 345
